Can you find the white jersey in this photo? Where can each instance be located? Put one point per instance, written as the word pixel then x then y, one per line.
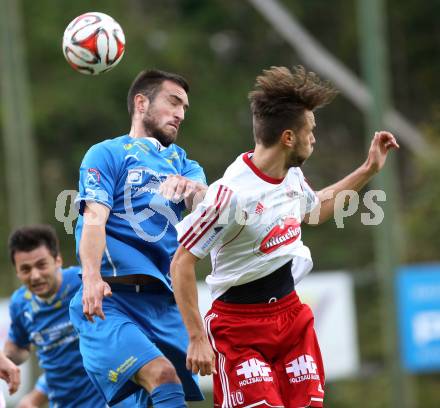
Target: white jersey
pixel 251 225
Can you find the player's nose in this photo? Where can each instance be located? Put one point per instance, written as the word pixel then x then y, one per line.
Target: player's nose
pixel 35 274
pixel 179 114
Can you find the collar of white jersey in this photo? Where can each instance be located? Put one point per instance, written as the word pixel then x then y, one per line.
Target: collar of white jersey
pixel 247 158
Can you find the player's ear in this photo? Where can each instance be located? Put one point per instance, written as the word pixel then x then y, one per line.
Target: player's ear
pixel 59 261
pixel 288 138
pixel 141 103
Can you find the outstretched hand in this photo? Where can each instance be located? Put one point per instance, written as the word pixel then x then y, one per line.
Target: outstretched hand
pixel 177 188
pixel 10 373
pixel 381 144
pixel 200 357
pixel 94 290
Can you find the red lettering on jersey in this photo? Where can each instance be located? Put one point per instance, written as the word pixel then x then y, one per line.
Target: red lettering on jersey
pixel 284 233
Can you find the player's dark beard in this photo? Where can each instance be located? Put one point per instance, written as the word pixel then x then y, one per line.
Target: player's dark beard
pixel 296 161
pixel 153 130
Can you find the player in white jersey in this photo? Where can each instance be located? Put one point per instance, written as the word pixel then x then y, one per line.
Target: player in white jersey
pixel 265 352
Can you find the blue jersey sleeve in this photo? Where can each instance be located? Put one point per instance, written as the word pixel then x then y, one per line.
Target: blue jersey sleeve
pixel 192 170
pixel 97 177
pixel 17 331
pixel 41 385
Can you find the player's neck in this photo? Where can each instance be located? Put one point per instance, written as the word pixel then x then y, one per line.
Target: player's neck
pixel 138 130
pixel 270 161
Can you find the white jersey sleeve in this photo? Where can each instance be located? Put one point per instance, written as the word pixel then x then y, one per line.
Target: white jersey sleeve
pixel 202 229
pixel 311 199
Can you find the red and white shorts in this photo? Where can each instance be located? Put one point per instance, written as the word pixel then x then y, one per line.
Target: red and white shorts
pixel 267 355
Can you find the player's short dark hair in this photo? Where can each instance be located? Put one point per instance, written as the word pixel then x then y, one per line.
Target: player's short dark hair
pixel 280 99
pixel 26 239
pixel 148 83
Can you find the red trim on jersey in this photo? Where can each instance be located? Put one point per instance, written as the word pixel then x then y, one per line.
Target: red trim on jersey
pixel 206 229
pixel 203 215
pixel 206 221
pixel 232 239
pixel 258 172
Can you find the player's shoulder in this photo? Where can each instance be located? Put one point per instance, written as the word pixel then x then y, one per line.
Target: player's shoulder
pixel 218 185
pixel 20 298
pixel 174 153
pixel 177 152
pixel 230 185
pixel 296 171
pixel 112 146
pixel 177 149
pixel 236 175
pixel 73 270
pixel 222 193
pixel 71 274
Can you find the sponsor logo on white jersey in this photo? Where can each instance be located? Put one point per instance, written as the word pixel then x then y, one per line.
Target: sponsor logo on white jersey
pixel 301 369
pixel 290 192
pixel 259 209
pixel 211 237
pixel 286 231
pixel 254 371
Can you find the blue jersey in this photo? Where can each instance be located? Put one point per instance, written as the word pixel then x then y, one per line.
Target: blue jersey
pixel 124 174
pixel 41 385
pixel 46 325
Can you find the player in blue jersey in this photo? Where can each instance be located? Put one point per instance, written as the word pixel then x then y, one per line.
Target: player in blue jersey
pixel 132 191
pixel 40 317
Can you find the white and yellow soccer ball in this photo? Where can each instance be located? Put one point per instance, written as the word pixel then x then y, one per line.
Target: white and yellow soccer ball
pixel 93 43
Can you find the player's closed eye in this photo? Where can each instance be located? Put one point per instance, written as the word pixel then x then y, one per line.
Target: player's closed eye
pixel 42 265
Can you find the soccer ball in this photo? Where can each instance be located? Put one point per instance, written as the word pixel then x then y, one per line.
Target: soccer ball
pixel 93 43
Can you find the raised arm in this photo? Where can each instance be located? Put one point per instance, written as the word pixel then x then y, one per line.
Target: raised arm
pixel 91 249
pixel 381 144
pixel 200 356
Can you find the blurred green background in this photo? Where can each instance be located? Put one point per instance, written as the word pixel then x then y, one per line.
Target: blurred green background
pixel 220 46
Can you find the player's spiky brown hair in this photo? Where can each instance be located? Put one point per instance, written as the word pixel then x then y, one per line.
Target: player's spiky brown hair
pixel 281 97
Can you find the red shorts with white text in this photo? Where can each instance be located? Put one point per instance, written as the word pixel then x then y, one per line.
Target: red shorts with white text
pixel 267 355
